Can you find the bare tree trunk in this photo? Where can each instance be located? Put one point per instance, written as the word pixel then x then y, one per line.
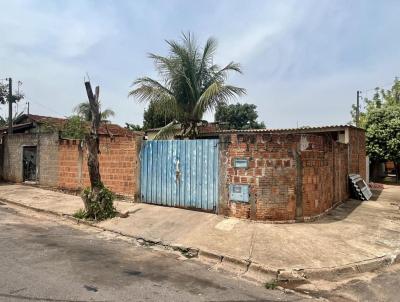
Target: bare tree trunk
pixel 93 160
pixel 92 141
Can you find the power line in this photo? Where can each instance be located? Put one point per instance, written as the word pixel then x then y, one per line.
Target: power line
pixel 34 102
pixel 379 86
pixel 45 107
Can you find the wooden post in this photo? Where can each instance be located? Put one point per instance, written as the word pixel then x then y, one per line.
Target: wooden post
pixel 10 101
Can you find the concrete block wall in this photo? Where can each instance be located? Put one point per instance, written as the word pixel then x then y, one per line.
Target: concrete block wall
pixel 48 160
pixel 47 157
pixel 118 164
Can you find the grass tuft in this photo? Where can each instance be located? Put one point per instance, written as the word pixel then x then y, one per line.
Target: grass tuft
pixel 271 285
pixel 80 214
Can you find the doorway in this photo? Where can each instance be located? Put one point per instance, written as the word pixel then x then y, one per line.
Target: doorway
pixel 29 163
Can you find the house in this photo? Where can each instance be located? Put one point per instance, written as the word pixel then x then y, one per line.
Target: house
pixel 291 174
pixel 281 175
pixel 36 152
pixel 259 174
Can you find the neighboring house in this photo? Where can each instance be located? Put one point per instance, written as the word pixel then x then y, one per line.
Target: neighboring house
pixel 390 167
pixel 259 174
pixel 36 153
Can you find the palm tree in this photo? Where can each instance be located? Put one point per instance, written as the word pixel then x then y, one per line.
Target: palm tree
pixel 190 85
pixel 83 111
pixel 4 121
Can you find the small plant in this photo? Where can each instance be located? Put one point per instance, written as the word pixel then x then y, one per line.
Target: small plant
pixel 99 205
pixel 74 128
pixel 80 214
pixel 48 127
pixel 271 285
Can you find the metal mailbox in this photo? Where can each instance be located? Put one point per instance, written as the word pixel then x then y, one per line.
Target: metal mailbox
pixel 239 193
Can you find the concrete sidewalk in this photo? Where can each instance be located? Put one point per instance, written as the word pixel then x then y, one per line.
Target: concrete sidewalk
pixel 352 233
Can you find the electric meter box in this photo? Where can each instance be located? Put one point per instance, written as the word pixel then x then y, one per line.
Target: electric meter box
pixel 239 193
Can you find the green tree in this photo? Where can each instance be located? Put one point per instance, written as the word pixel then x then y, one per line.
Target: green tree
pixel 17 96
pixel 381 97
pixel 3 93
pixel 380 118
pixel 133 127
pixel 74 128
pixel 190 85
pixel 153 117
pixel 83 111
pixel 238 116
pixel 156 116
pixel 382 127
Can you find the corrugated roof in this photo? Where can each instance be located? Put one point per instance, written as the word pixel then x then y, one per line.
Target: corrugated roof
pixel 17 127
pixel 291 130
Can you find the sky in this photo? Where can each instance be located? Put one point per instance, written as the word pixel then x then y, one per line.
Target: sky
pixel 302 61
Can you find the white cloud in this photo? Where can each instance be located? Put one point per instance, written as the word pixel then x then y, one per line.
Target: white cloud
pixel 62 31
pixel 302 60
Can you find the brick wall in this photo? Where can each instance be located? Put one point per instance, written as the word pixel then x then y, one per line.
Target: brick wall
pixel 290 176
pixel 324 177
pixel 1 157
pixel 47 157
pixel 69 164
pixel 271 175
pixel 357 152
pixel 118 164
pixel 341 163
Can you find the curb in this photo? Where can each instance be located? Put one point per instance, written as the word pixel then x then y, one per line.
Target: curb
pixel 188 252
pixel 369 265
pixel 260 273
pixel 210 257
pixel 245 268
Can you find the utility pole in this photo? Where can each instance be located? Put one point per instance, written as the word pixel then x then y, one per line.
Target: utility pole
pixel 28 107
pixel 358 109
pixel 10 101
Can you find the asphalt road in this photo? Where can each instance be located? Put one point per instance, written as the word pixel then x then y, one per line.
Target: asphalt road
pixel 44 258
pixel 380 286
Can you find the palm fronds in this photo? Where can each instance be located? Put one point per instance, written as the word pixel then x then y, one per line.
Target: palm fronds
pixel 168 131
pixel 189 82
pixel 84 112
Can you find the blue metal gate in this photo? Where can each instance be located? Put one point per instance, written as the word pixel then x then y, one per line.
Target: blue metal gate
pixel 180 173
